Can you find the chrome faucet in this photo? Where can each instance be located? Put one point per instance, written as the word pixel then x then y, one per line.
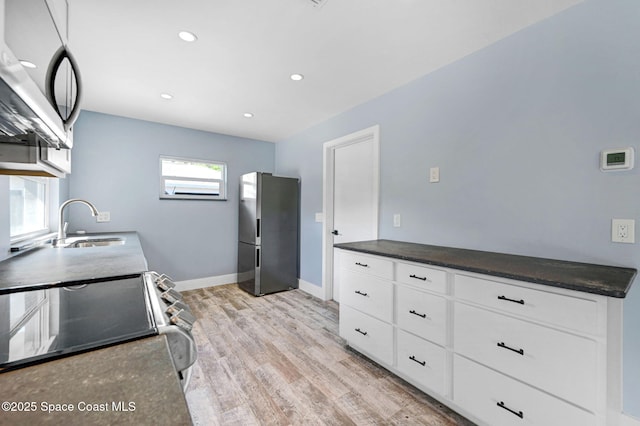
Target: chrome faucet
pixel 62 225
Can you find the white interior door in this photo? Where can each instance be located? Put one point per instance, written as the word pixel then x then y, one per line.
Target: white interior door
pixel 354 212
pixel 352 207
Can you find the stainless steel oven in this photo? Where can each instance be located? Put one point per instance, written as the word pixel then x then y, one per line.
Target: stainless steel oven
pixel 43 324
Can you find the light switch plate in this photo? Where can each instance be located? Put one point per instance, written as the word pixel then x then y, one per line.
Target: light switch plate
pixel 623 231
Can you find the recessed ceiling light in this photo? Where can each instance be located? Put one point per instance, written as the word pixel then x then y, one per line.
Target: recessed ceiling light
pixel 166 96
pixel 28 64
pixel 297 77
pixel 187 36
pixel 248 115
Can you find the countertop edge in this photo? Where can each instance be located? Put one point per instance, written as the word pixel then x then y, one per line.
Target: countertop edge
pixel 45 266
pixel 615 293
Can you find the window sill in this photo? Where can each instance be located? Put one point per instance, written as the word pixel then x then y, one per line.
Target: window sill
pixel 26 244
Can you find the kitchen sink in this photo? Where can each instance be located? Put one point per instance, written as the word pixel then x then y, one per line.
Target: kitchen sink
pixel 97 242
pixel 84 242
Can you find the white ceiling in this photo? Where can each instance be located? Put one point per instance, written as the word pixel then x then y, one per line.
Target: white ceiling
pixel 349 51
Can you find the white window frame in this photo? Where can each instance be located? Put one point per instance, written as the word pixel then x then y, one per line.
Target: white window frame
pixel 47 201
pixel 223 181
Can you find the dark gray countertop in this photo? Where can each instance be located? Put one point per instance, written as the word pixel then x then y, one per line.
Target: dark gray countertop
pixel 599 279
pixel 47 266
pixel 139 373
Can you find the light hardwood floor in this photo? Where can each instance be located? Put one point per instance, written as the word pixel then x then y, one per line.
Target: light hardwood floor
pixel 278 360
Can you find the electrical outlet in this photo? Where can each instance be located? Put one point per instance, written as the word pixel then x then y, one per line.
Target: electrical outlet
pixel 623 231
pixel 434 174
pixel 103 217
pixel 396 220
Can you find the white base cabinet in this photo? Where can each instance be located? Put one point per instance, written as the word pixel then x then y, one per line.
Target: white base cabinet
pixel 498 351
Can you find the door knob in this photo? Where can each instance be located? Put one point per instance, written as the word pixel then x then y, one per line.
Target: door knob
pixel 335 232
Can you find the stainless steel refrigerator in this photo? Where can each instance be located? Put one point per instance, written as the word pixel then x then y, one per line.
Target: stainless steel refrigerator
pixel 268 233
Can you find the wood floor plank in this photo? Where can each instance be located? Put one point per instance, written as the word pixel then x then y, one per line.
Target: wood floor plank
pixel 323 408
pixel 358 410
pixel 259 398
pixel 283 395
pixel 240 416
pixel 278 360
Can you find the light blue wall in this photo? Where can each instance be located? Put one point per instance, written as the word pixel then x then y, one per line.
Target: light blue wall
pixel 115 164
pixel 516 130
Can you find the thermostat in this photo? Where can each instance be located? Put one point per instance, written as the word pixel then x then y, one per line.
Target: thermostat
pixel 616 159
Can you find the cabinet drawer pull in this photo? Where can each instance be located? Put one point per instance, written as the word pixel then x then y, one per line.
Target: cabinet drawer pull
pixel 361 293
pixel 417 277
pixel 415 313
pixel 517 413
pixel 518 351
pixel 521 301
pixel 364 333
pixel 364 265
pixel 422 363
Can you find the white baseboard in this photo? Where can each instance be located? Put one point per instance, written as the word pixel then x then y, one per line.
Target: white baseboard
pixel 206 282
pixel 312 289
pixel 627 420
pixel 197 283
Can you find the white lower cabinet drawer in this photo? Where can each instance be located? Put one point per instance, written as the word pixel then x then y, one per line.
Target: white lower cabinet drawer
pixel 367 333
pixel 577 313
pixel 367 264
pixel 560 363
pixel 423 277
pixel 423 361
pixel 422 313
pixel 367 293
pixel 498 400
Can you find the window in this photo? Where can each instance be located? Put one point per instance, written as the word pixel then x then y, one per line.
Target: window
pixel 183 178
pixel 28 203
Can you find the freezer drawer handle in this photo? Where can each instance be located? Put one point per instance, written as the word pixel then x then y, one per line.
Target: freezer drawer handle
pixel 364 265
pixel 518 351
pixel 361 293
pixel 422 363
pixel 521 301
pixel 415 313
pixel 364 333
pixel 417 277
pixel 517 413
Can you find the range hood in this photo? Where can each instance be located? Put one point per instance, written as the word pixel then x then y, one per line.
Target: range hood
pixel 30 155
pixel 22 150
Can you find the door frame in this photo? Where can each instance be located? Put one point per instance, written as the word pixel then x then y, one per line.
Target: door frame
pixel 328 149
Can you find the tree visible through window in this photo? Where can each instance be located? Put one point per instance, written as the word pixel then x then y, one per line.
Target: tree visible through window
pixel 183 178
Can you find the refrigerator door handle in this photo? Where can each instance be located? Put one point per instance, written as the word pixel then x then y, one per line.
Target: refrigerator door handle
pixel 258 228
pixel 257 258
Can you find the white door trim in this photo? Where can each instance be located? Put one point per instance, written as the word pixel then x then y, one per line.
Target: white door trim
pixel 328 149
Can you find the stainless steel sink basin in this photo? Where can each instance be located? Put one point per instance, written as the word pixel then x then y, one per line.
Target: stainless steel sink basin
pixel 84 242
pixel 97 242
